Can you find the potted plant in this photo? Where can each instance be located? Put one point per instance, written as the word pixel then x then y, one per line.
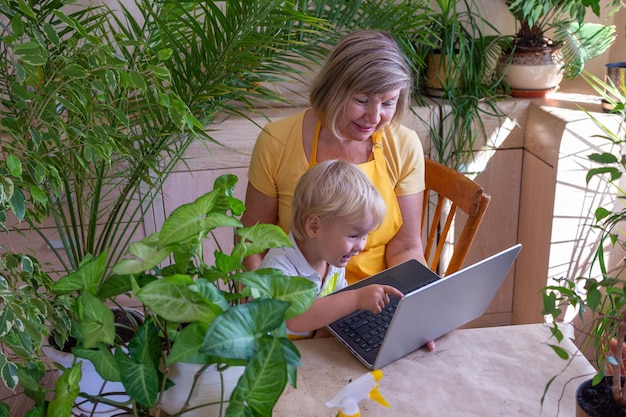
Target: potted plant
pixel 101 102
pixel 460 68
pixel 601 300
pixel 214 316
pixel 552 42
pixel 98 107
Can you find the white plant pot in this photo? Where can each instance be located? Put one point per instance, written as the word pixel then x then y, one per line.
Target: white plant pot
pixel 90 383
pixel 532 72
pixel 207 390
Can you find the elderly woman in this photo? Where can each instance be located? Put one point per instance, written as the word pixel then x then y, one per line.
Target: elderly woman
pixel 357 103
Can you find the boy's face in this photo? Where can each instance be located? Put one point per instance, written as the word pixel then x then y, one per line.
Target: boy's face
pixel 338 241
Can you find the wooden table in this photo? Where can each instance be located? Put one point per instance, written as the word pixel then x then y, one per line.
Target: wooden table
pixel 486 372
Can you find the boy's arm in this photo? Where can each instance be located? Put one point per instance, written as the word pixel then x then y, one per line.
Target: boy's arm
pixel 325 310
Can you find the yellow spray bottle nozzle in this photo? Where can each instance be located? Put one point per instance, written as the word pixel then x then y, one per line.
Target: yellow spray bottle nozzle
pixel 364 387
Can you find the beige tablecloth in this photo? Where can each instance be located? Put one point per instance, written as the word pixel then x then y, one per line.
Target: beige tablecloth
pixel 487 372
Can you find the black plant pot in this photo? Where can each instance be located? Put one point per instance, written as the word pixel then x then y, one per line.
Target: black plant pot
pixel 615 75
pixel 597 401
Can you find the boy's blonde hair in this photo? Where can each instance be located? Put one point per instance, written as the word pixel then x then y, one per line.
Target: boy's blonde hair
pixel 365 61
pixel 338 190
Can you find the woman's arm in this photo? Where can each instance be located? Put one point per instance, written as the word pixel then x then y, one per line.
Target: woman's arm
pixel 326 310
pixel 407 243
pixel 259 209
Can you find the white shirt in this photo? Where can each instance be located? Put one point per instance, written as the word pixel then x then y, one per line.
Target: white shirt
pixel 293 263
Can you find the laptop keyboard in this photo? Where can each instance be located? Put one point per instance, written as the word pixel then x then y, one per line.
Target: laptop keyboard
pixel 364 331
pixel 367 329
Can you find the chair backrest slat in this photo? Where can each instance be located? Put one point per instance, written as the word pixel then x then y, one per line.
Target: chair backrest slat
pixel 463 195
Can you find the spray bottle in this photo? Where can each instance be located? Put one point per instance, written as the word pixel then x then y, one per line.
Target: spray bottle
pixel 364 387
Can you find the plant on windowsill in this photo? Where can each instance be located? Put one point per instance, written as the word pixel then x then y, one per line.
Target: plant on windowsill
pixel 214 316
pixel 601 302
pixel 573 42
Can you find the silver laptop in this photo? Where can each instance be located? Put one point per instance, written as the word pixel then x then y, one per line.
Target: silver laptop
pixel 431 307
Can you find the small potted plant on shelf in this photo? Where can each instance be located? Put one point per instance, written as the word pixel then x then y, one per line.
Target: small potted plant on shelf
pixel 460 69
pixel 215 317
pixel 601 301
pixel 536 63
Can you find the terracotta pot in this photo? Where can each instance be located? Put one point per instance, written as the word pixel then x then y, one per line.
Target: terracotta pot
pixel 597 401
pixel 436 77
pixel 532 72
pixel 207 390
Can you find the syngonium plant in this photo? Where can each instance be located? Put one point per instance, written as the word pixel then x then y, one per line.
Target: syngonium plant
pixel 194 312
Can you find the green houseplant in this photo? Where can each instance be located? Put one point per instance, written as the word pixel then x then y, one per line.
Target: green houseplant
pixel 460 68
pixel 194 312
pixel 601 301
pixel 99 106
pixel 552 35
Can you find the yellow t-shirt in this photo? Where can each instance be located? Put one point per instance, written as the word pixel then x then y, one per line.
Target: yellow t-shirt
pixel 278 161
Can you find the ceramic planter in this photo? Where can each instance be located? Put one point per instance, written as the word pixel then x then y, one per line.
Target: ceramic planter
pixel 532 72
pixel 207 390
pixel 91 383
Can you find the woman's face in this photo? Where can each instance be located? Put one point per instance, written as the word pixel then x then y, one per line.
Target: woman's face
pixel 367 113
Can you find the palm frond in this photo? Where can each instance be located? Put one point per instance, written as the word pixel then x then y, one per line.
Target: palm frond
pixel 582 42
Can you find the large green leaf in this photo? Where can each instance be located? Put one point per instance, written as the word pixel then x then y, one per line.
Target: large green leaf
pixel 187 345
pixel 146 255
pixel 140 379
pixel 237 333
pixel 172 299
pixel 87 277
pixel 145 346
pixel 299 292
pixel 259 238
pixel 66 391
pixel 32 53
pixel 261 384
pixel 102 359
pixel 211 293
pixel 292 360
pixel 95 321
pixel 189 220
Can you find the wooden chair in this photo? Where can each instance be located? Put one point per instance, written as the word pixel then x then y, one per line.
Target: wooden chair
pixel 448 193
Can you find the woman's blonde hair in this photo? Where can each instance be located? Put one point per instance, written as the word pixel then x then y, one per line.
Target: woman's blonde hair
pixel 338 190
pixel 364 61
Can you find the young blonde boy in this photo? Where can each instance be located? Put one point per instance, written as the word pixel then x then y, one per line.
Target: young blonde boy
pixel 334 208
